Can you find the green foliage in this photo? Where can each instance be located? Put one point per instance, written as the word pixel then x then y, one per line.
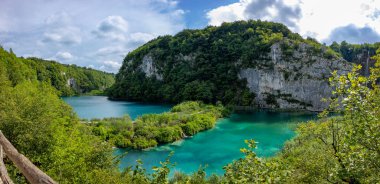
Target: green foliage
pixel 252 169
pixel 95 92
pixel 198 91
pixel 149 130
pixel 198 177
pixel 356 135
pixel 161 174
pixel 43 128
pixel 84 80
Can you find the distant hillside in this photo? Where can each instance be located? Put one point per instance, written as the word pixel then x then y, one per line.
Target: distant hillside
pixel 245 63
pixel 68 79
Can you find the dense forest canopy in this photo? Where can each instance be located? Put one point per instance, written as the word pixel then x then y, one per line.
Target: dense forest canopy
pixel 204 64
pixel 67 79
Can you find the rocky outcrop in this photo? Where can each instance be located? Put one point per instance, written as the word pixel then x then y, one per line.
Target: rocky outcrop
pixel 294 82
pixel 148 68
pixel 72 83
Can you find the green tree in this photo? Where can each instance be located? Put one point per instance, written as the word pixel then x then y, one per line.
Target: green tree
pixel 43 128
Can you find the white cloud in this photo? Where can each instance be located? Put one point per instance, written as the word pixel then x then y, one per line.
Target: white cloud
pixel 110 66
pixel 353 34
pixel 63 56
pixel 60 18
pixel 171 3
pixel 286 12
pixel 112 27
pixel 309 18
pixel 106 51
pixel 178 13
pixel 227 13
pixel 113 23
pixel 141 37
pixel 322 20
pixel 91 66
pixel 65 35
pixel 58 28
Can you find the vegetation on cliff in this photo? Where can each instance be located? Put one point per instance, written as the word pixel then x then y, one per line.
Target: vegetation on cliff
pixel 67 79
pixel 149 130
pixel 204 64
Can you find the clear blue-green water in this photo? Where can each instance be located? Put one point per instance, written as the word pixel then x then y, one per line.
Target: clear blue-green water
pixel 221 145
pixel 214 148
pixel 89 107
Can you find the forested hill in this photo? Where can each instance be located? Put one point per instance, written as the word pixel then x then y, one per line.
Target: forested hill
pixel 245 63
pixel 68 79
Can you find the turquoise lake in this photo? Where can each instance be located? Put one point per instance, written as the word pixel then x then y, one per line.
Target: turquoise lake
pixel 214 148
pixel 89 107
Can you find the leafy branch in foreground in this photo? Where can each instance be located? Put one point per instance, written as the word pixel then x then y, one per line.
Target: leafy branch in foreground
pixel 253 169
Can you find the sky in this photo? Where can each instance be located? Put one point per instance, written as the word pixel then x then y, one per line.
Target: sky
pixel 99 33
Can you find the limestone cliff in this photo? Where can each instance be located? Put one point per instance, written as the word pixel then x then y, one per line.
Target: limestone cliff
pixel 299 81
pixel 148 68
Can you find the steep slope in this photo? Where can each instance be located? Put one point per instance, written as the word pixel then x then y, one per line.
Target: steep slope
pixel 68 79
pixel 245 63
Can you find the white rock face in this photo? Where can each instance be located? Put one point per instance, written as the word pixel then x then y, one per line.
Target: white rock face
pixel 149 69
pixel 300 81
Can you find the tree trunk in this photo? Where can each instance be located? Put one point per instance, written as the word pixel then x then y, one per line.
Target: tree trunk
pixel 4 177
pixel 27 168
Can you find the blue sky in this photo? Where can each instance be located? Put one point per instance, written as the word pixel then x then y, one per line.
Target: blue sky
pixel 99 33
pixel 196 11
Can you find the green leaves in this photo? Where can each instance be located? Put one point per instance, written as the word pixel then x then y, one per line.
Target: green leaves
pixel 43 128
pixel 161 174
pixel 252 169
